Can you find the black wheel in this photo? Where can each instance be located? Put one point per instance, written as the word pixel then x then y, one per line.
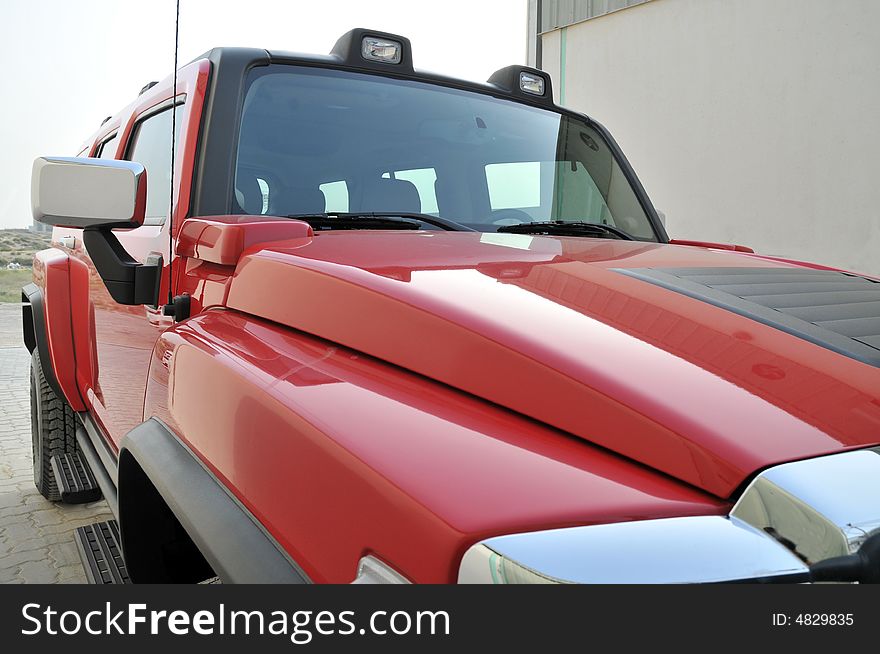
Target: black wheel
pixel 53 429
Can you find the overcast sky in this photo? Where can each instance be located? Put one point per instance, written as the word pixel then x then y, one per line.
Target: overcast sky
pixel 67 64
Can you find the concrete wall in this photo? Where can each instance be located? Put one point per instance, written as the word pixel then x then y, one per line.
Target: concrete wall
pixel 749 121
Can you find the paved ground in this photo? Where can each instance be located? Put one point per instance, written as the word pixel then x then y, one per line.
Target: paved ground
pixel 36 536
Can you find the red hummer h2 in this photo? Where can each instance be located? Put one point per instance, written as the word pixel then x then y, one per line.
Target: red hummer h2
pixel 398 327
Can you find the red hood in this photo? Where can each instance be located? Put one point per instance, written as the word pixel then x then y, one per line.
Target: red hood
pixel 546 327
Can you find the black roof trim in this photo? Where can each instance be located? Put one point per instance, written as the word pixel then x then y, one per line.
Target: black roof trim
pixel 417 75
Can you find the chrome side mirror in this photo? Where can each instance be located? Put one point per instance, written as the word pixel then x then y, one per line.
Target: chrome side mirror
pixel 99 195
pixel 79 192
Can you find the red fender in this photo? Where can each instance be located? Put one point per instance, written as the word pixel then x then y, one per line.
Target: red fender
pixel 82 318
pixel 52 273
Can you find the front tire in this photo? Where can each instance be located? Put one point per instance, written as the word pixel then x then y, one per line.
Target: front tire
pixel 53 429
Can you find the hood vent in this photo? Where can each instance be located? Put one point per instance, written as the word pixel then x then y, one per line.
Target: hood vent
pixel 836 310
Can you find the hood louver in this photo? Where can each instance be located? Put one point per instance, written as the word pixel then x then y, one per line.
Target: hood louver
pixel 836 310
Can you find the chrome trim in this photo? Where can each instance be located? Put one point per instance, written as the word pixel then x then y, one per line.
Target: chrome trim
pixel 699 549
pixel 790 517
pixel 86 192
pixel 373 571
pixel 821 507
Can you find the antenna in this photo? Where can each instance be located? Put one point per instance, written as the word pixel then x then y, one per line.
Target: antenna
pixel 173 134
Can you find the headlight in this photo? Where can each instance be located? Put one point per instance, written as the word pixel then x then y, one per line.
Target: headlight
pixel 668 551
pixel 790 517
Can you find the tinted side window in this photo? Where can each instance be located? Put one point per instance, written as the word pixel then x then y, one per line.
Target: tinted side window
pixel 151 147
pixel 107 149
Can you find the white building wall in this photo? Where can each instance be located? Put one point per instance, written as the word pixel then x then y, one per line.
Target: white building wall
pixel 749 121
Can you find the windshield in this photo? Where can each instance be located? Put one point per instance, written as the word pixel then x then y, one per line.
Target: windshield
pixel 318 140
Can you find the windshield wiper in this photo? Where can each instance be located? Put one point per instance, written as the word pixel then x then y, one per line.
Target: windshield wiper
pixel 322 221
pixel 377 220
pixel 563 228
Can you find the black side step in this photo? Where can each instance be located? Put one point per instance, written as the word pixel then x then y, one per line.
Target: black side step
pixel 75 480
pixel 100 549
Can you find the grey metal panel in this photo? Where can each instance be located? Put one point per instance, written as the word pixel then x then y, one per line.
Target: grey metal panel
pixel 733 277
pixel 854 327
pixel 561 13
pixel 584 10
pixel 873 341
pixel 836 311
pixel 845 321
pixel 565 12
pixel 725 273
pixel 790 288
pixel 822 298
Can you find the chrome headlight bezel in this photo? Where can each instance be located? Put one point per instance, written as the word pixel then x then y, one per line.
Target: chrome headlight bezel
pixel 789 517
pixel 699 549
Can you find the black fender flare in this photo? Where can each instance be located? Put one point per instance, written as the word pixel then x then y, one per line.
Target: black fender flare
pixel 33 326
pixel 229 537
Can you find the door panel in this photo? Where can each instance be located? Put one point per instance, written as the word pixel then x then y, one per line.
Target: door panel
pixel 125 334
pixel 114 341
pixel 124 342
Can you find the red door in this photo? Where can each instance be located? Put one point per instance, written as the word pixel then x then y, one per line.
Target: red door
pixel 122 337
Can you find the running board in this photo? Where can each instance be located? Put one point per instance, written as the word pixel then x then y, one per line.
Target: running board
pixel 74 478
pixel 100 549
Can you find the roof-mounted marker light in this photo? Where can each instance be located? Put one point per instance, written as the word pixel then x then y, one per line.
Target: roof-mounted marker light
pixel 531 83
pixel 363 48
pixel 384 50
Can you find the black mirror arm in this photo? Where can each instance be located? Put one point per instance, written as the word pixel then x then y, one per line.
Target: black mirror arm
pixel 128 281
